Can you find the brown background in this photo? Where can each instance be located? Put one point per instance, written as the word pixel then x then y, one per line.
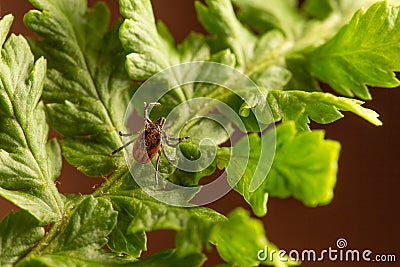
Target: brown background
pixel 365 208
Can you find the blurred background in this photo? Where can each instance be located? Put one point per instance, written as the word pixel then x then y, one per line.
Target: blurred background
pixel 365 209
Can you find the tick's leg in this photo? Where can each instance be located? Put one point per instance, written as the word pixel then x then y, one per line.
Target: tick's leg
pixel 157 166
pixel 128 134
pixel 178 139
pixel 122 147
pixel 146 113
pixel 125 134
pixel 166 155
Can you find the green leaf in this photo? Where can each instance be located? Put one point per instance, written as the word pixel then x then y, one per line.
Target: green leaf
pixel 224 57
pixel 150 49
pixel 328 17
pixel 248 165
pixel 121 240
pixel 5 25
pixel 277 14
pixel 260 57
pixel 81 239
pixel 319 9
pixel 323 108
pixel 269 59
pixel 29 163
pixel 209 128
pixel 19 232
pixel 194 48
pixel 300 107
pixel 80 231
pixel 364 52
pixel 304 166
pixel 194 226
pixel 138 213
pixel 169 258
pixel 54 156
pixel 323 9
pixel 197 155
pixel 148 214
pixel 301 78
pixel 90 155
pixel 219 19
pixel 205 165
pixel 86 84
pixel 84 257
pixel 287 42
pixel 150 46
pixel 239 239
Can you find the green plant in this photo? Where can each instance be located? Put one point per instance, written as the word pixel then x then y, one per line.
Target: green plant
pixel 81 83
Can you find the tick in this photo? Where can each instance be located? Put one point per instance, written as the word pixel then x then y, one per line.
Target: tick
pixel 150 140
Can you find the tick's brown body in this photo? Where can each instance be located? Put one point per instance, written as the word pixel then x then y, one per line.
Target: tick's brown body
pixel 149 141
pixel 147 145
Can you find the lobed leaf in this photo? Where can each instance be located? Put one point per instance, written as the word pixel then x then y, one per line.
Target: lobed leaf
pixel 86 83
pixel 269 58
pixel 304 166
pixel 219 19
pixel 121 240
pixel 153 215
pixel 169 258
pixel 261 57
pixel 301 76
pixel 322 108
pixel 300 107
pixel 29 163
pixel 364 52
pixel 81 239
pixel 237 245
pixel 150 46
pixel 323 9
pixel 84 257
pixel 288 41
pixel 276 14
pixel 239 240
pixel 19 233
pixel 141 213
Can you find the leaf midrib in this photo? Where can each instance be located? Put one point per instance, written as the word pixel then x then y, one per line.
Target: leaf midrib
pixel 48 181
pixel 366 50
